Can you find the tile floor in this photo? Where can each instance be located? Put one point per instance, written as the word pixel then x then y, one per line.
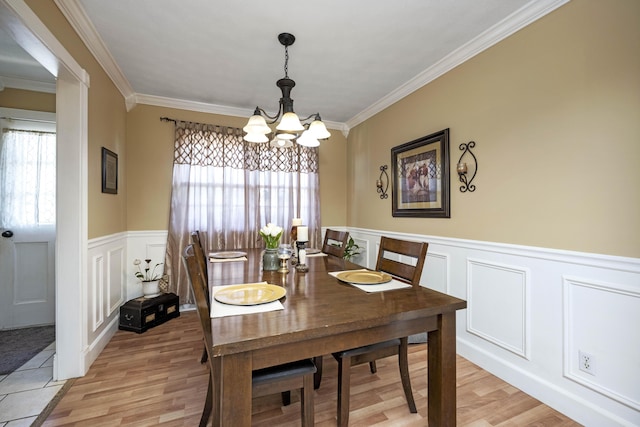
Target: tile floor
pixel 25 392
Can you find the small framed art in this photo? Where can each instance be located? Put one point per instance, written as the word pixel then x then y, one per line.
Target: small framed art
pixel 109 171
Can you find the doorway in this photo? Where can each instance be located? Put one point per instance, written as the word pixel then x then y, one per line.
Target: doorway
pixel 72 85
pixel 27 218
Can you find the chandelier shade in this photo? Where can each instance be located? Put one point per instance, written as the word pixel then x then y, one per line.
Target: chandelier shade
pixel 306 131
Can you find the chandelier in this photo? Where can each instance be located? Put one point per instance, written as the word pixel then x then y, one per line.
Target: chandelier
pixel 306 131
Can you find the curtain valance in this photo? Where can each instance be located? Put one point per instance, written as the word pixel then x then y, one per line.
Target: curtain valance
pixel 200 144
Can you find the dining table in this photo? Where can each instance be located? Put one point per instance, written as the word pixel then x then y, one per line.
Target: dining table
pixel 320 315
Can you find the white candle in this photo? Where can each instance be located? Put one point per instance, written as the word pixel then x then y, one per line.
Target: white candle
pixel 302 256
pixel 296 221
pixel 303 234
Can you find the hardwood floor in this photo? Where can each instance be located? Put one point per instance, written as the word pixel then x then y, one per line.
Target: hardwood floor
pixel 156 378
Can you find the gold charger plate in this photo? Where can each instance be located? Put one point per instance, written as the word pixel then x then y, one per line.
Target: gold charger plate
pixel 250 294
pixel 364 277
pixel 227 254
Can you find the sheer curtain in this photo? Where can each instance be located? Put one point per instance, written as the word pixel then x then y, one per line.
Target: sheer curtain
pixel 27 179
pixel 228 189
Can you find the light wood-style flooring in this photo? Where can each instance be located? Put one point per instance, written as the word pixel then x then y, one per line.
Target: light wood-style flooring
pixel 156 378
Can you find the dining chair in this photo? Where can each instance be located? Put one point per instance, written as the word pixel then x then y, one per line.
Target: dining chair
pixel 280 378
pixel 406 272
pixel 198 250
pixel 335 242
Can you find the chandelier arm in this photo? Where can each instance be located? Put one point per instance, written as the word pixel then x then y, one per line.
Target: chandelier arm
pixel 272 119
pixel 314 115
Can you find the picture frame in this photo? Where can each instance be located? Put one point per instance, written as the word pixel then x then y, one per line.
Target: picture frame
pixel 420 176
pixel 109 171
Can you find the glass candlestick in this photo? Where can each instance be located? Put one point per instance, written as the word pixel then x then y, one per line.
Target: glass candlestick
pixel 284 253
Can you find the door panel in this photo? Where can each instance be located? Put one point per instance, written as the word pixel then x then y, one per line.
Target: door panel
pixel 27 285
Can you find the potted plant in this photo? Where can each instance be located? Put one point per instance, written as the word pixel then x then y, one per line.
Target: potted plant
pixel 149 277
pixel 351 250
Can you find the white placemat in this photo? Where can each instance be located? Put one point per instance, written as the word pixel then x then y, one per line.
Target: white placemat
pixel 242 258
pixel 389 286
pixel 316 255
pixel 219 309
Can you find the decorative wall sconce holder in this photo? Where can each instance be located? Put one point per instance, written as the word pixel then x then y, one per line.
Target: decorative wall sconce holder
pixel 463 169
pixel 382 184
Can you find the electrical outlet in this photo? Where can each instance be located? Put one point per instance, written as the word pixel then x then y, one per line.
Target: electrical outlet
pixel 587 363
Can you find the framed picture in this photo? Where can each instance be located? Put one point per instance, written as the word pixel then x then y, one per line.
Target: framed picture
pixel 420 177
pixel 109 171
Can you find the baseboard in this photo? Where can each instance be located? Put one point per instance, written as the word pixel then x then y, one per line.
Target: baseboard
pixel 571 405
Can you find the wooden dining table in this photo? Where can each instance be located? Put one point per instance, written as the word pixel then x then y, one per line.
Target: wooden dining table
pixel 323 315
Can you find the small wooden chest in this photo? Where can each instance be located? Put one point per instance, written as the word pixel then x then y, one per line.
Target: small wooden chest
pixel 140 314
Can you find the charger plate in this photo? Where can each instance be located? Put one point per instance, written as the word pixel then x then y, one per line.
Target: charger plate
pixel 227 254
pixel 250 294
pixel 364 277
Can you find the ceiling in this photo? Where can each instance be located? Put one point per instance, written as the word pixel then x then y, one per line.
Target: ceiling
pixel 350 59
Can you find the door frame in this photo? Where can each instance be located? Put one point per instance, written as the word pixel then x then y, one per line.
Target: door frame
pixel 72 90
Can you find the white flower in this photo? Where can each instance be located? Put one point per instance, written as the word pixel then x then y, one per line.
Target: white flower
pixel 271 234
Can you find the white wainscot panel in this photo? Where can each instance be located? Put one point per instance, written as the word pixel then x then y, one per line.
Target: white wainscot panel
pixel 115 282
pixel 497 304
pixel 601 322
pixel 435 274
pixel 97 286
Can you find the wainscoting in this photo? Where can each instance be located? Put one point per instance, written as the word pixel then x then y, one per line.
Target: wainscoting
pixel 111 282
pixel 531 313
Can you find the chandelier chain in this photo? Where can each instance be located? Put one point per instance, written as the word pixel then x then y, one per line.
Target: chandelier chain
pixel 286 62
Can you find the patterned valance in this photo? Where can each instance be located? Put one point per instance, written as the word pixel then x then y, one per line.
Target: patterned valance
pixel 212 145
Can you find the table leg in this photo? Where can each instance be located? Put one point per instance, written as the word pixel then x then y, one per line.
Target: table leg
pixel 235 389
pixel 442 372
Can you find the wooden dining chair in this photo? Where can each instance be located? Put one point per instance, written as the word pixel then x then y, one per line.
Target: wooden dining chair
pixel 335 242
pixel 407 272
pixel 280 378
pixel 199 253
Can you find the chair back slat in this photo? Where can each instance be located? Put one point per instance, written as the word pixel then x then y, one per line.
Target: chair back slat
pixel 408 272
pixel 201 294
pixel 335 242
pixel 200 254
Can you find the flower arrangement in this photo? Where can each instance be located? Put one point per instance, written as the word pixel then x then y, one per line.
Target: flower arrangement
pixel 271 234
pixel 147 275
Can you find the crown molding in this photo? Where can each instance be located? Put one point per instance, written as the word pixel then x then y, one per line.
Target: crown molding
pixel 527 14
pixel 25 84
pixel 183 104
pixel 77 17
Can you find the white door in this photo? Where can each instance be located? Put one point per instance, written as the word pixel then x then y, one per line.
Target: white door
pixel 27 284
pixel 27 223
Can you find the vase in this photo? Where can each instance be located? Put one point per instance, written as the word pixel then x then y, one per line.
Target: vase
pixel 151 289
pixel 270 261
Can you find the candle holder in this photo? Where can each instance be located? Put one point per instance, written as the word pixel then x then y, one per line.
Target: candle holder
pixel 284 253
pixel 299 246
pixel 462 167
pixel 302 261
pixel 382 183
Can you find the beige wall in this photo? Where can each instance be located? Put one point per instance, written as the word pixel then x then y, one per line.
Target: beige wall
pixel 28 100
pixel 107 114
pixel 150 164
pixel 555 112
